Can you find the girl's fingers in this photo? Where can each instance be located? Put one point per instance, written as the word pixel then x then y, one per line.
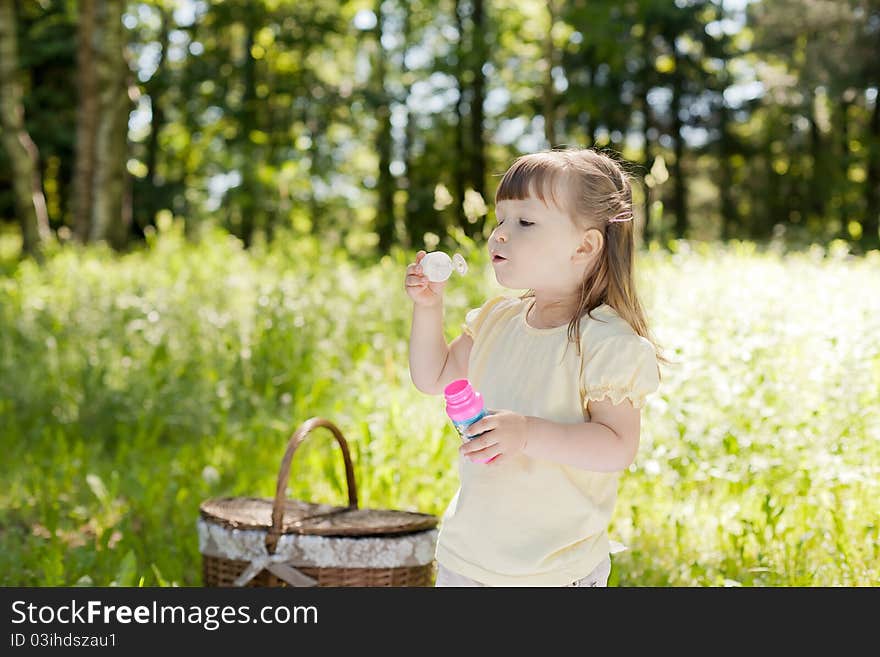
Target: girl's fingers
pixel 483 426
pixel 485 455
pixel 474 445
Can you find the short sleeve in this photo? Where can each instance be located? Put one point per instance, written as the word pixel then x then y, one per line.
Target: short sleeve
pixel 475 317
pixel 620 367
pixel 470 322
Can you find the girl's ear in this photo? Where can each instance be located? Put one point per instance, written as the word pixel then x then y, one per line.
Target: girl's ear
pixel 591 244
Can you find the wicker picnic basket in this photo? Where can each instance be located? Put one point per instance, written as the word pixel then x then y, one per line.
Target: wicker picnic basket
pixel 250 541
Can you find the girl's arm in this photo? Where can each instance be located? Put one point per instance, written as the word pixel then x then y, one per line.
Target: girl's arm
pixel 427 347
pixel 429 355
pixel 607 443
pixel 432 363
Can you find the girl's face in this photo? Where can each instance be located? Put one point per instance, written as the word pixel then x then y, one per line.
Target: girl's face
pixel 536 246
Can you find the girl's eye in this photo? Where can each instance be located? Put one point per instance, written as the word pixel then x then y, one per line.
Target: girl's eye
pixel 522 222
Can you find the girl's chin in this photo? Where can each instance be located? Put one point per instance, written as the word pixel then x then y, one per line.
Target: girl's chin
pixel 508 283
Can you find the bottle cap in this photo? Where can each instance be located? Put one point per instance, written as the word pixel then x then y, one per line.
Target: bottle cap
pixel 462 401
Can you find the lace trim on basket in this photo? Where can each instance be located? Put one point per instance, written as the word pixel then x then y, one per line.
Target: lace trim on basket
pixel 296 550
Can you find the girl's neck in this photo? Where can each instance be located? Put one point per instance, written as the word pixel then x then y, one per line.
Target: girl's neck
pixel 549 313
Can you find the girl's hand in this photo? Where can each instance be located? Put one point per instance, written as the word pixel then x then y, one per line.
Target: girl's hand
pixel 422 291
pixel 506 435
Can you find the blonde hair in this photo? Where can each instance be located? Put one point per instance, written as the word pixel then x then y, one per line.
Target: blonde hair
pixel 594 190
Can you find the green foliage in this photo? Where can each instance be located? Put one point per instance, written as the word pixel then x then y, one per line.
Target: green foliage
pixel 134 387
pixel 264 115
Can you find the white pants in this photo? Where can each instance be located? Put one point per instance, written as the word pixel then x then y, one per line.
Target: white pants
pixel 599 577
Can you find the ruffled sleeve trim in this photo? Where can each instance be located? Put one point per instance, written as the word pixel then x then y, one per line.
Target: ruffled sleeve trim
pixel 620 367
pixel 616 394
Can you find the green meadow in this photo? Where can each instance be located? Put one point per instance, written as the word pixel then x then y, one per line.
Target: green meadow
pixel 133 387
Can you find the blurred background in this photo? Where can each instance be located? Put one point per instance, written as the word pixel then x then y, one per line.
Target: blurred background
pixel 207 209
pixel 373 123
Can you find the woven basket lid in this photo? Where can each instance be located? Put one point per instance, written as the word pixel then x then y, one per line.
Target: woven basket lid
pixel 309 518
pixel 281 516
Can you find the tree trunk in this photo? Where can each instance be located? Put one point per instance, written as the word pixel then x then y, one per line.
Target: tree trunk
pixel 679 200
pixel 112 213
pixel 818 182
pixel 648 161
pixel 871 224
pixel 478 158
pixel 30 203
pixel 177 200
pixel 549 93
pixel 409 136
pixel 725 182
pixel 86 121
pixel 843 173
pixel 460 161
pixel 773 200
pixel 585 118
pixel 272 212
pixel 154 199
pixel 385 183
pixel 248 198
pixel 316 128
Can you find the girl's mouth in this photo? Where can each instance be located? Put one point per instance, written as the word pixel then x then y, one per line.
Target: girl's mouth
pixel 498 258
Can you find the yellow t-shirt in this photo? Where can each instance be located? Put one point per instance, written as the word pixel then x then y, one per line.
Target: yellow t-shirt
pixel 531 522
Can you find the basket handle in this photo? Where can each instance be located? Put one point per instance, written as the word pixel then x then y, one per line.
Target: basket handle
pixel 292 444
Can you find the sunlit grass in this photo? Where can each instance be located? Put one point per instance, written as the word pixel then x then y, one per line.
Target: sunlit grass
pixel 132 388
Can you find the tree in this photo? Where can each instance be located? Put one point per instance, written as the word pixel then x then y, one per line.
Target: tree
pixel 102 185
pixel 155 196
pixel 86 121
pixel 821 59
pixel 23 155
pixel 382 109
pixel 478 98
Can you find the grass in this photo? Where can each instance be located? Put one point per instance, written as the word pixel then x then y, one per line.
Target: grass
pixel 134 387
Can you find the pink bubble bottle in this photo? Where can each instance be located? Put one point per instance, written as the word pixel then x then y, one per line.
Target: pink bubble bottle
pixel 464 406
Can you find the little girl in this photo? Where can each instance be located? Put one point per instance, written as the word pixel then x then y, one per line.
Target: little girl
pixel 565 423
